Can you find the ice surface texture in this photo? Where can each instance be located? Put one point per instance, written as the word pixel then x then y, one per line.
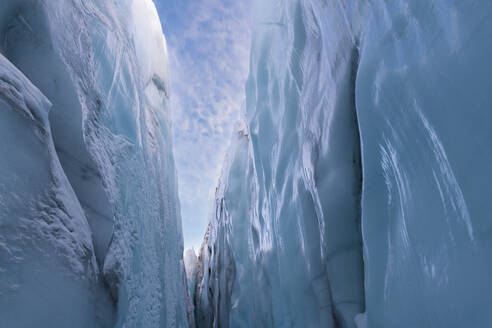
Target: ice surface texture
pixel 425 112
pixel 90 230
pixel 285 245
pixel 359 179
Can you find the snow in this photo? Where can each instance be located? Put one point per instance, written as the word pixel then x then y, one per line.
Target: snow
pixel 89 214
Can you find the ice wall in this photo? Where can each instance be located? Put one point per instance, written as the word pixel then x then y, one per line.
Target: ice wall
pixel 424 107
pixel 359 180
pixel 285 246
pixel 90 230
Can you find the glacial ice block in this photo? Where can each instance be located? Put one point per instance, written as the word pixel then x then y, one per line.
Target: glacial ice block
pixel 89 213
pixel 424 107
pixel 45 240
pixel 284 246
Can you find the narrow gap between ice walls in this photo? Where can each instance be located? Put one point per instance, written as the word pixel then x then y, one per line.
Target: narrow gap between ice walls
pixel 284 246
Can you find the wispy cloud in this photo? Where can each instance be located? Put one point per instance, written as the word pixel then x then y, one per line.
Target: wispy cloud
pixel 209 43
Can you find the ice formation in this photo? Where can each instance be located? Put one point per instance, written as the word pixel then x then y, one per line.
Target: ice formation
pixel 355 192
pixel 191 265
pixel 90 230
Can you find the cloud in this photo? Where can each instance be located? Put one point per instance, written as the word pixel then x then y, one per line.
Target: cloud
pixel 209 46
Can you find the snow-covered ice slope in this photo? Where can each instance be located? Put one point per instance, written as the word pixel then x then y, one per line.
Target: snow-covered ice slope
pixel 359 180
pixel 90 230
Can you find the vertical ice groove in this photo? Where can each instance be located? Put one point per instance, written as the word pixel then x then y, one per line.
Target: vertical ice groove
pixel 395 179
pixel 449 183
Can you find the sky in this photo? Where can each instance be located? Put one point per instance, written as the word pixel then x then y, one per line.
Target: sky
pixel 209 45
